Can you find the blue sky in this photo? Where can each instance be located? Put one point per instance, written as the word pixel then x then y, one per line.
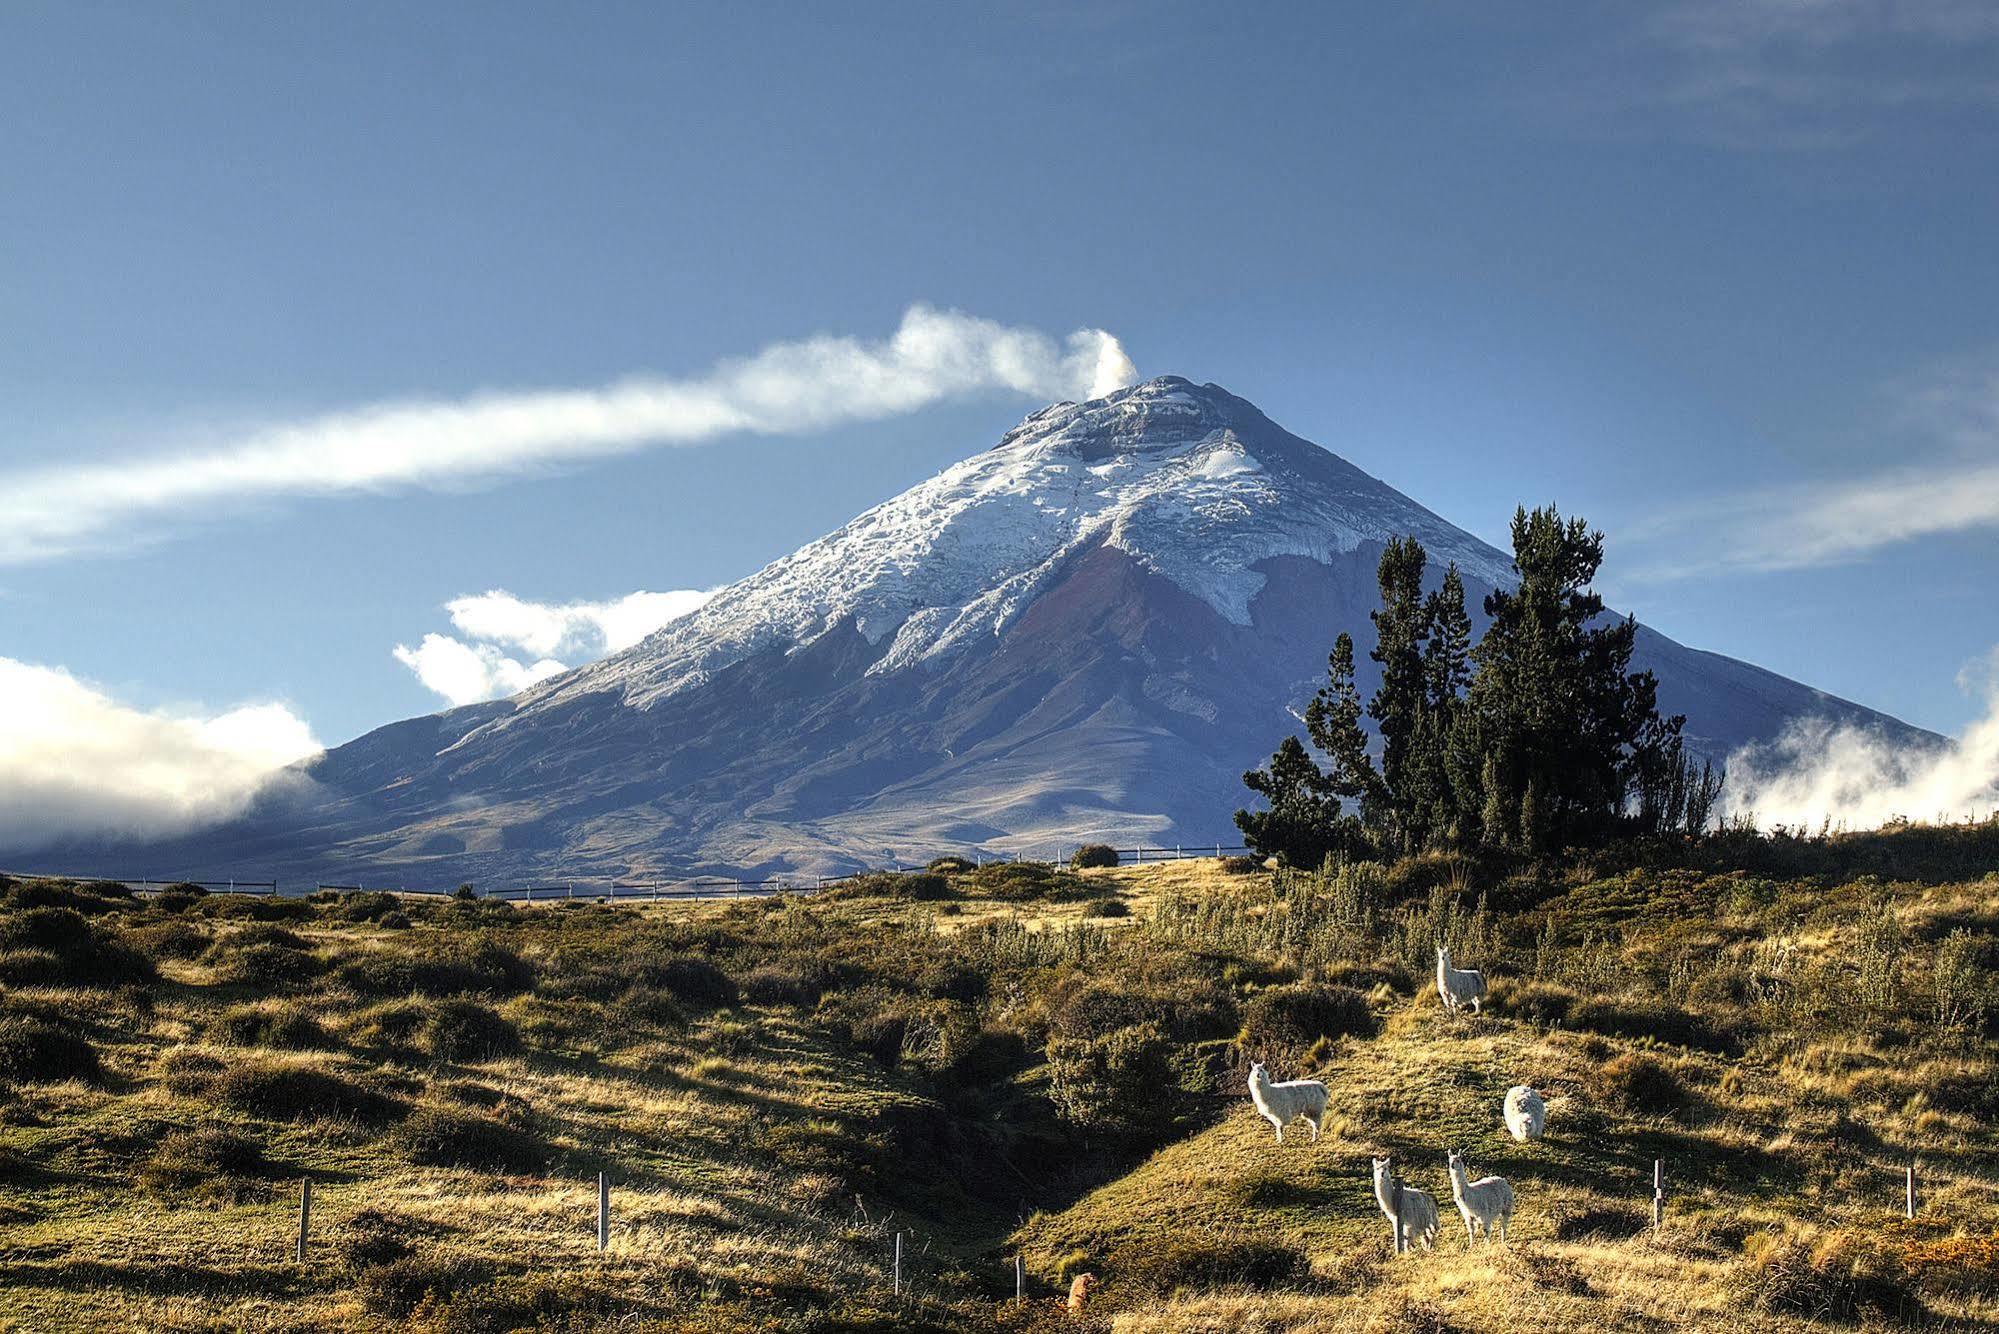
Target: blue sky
pixel 1719 277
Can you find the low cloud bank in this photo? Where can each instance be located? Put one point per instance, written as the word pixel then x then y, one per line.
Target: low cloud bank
pixel 481 666
pixel 1819 771
pixel 787 388
pixel 76 763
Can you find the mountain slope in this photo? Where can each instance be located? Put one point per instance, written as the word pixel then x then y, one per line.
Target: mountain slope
pixel 1088 631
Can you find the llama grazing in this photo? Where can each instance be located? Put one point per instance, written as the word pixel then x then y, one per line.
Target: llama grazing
pixel 1293 1100
pixel 1526 1114
pixel 1459 987
pixel 1418 1214
pixel 1481 1203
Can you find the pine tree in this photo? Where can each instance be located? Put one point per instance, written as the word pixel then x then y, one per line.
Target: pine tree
pixel 1304 823
pixel 1332 720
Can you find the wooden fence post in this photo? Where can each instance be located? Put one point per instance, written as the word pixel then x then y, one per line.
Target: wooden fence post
pixel 1658 1192
pixel 603 1212
pixel 1019 1280
pixel 1909 1204
pixel 898 1264
pixel 304 1215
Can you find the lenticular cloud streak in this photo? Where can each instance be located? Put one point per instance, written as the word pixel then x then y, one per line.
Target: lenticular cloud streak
pixel 787 388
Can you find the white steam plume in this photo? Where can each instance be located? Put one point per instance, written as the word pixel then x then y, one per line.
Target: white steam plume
pixel 74 762
pixel 786 388
pixel 1818 771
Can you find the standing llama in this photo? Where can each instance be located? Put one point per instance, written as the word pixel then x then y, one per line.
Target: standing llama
pixel 1417 1214
pixel 1526 1114
pixel 1459 987
pixel 1293 1100
pixel 1481 1203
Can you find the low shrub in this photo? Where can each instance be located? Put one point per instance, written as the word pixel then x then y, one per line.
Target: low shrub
pixel 462 1029
pixel 1641 1084
pixel 1107 907
pixel 61 947
pixel 170 940
pixel 1662 1022
pixel 483 966
pixel 34 1051
pixel 208 1161
pixel 1241 865
pixel 433 1136
pixel 1094 856
pixel 694 980
pixel 256 908
pixel 1023 882
pixel 1838 1275
pixel 299 1093
pixel 1537 1002
pixel 949 866
pixel 397 1288
pixel 265 966
pixel 780 984
pixel 1121 1083
pixel 1601 1222
pixel 284 1027
pixel 366 905
pixel 186 1072
pixel 1204 1264
pixel 1290 1019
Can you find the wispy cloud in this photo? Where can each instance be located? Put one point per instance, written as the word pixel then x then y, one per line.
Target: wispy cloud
pixel 75 762
pixel 481 666
pixel 1949 420
pixel 1787 74
pixel 1855 777
pixel 786 388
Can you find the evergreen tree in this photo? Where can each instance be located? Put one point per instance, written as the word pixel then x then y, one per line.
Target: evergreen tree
pixel 1304 823
pixel 1332 720
pixel 1400 630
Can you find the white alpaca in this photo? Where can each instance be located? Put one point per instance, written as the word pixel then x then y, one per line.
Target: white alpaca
pixel 1481 1202
pixel 1459 986
pixel 1294 1100
pixel 1418 1214
pixel 1526 1114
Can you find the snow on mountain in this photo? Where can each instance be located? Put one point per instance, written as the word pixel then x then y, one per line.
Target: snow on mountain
pixel 1192 483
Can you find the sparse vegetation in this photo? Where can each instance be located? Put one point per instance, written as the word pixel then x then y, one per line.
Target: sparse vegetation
pixel 768 1081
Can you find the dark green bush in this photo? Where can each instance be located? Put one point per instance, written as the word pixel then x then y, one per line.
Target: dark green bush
pixel 94 898
pixel 950 866
pixel 1094 856
pixel 1107 907
pixel 1121 1083
pixel 284 1027
pixel 83 953
pixel 188 1073
pixel 367 905
pixel 434 1136
pixel 176 900
pixel 1537 1002
pixel 299 1093
pixel 169 940
pixel 1287 1020
pixel 1839 1275
pixel 467 1030
pixel 693 980
pixel 34 1051
pixel 1024 882
pixel 256 908
pixel 263 966
pixel 1662 1022
pixel 779 984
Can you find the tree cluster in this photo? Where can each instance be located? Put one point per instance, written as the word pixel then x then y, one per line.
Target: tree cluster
pixel 1538 737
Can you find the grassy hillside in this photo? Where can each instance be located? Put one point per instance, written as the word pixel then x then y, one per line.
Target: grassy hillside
pixel 1013 1060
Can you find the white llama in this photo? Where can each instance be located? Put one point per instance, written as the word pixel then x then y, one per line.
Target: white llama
pixel 1526 1114
pixel 1481 1203
pixel 1458 987
pixel 1294 1100
pixel 1418 1214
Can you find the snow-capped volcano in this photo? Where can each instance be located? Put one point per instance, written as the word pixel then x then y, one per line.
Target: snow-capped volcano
pixel 1087 631
pixel 1193 483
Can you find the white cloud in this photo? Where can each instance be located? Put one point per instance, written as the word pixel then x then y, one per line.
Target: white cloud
pixel 74 762
pixel 593 628
pixel 1854 777
pixel 786 388
pixel 466 673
